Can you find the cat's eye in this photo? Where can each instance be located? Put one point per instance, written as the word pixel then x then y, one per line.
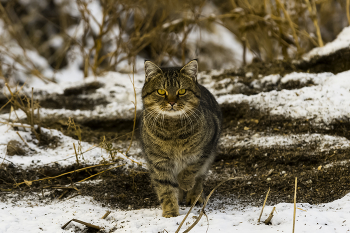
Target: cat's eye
pixel 182 91
pixel 161 91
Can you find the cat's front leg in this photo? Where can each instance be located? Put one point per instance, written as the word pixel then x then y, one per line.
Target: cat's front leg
pixel 166 187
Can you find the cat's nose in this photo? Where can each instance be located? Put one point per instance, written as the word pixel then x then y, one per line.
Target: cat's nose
pixel 172 103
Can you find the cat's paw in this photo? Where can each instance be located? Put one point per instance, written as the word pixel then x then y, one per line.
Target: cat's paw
pixel 170 208
pixel 187 185
pixel 191 198
pixel 170 214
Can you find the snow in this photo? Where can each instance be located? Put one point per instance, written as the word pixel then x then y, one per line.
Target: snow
pixel 322 103
pixel 342 41
pixel 31 216
pixel 303 78
pixel 63 154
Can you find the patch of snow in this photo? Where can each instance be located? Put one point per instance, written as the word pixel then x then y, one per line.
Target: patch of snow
pixel 270 79
pixel 56 41
pixel 63 154
pixel 322 103
pixel 303 78
pixel 32 216
pixel 342 41
pixel 249 74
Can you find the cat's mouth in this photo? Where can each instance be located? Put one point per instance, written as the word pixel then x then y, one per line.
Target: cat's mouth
pixel 172 112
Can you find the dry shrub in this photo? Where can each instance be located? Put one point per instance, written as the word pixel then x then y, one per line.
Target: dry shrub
pixel 106 35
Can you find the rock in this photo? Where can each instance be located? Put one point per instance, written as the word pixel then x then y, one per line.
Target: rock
pixel 15 148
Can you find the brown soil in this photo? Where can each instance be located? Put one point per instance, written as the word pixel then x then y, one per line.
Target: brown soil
pixel 74 98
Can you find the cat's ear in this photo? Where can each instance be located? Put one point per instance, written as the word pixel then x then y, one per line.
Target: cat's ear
pixel 191 69
pixel 151 70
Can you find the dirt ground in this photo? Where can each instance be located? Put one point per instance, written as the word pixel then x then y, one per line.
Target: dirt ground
pixel 260 167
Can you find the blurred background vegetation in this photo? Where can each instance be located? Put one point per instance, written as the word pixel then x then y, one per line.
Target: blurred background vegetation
pixel 41 37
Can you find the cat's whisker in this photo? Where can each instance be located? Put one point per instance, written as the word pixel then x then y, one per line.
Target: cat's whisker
pixel 154 122
pixel 198 116
pixel 150 114
pixel 188 117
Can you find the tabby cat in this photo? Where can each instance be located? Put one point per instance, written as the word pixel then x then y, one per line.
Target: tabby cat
pixel 180 128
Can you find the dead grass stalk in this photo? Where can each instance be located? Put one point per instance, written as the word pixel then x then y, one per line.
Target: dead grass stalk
pixel 206 202
pixel 78 170
pixel 295 202
pixel 262 209
pixel 313 15
pixel 347 10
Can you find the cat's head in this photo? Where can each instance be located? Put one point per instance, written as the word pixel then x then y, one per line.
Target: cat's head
pixel 171 91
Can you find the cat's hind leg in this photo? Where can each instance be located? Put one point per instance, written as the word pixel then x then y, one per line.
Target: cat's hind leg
pixel 195 191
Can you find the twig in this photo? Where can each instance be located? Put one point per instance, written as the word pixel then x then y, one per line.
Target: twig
pixel 264 205
pixel 207 221
pixel 5 104
pixel 101 172
pixel 106 214
pixel 73 196
pixel 23 140
pixel 347 10
pixel 39 123
pixel 135 104
pixel 295 199
pixel 312 10
pixel 32 109
pixel 65 191
pixel 268 220
pixel 291 25
pixel 84 223
pixel 189 211
pixel 4 157
pixel 54 177
pixel 205 203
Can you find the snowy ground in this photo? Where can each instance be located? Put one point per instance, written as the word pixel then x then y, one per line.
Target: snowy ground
pixel 321 103
pixel 32 216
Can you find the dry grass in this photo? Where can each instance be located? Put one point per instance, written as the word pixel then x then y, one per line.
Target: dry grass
pixel 28 106
pixel 295 202
pixel 202 212
pixel 21 101
pixel 157 30
pixel 262 209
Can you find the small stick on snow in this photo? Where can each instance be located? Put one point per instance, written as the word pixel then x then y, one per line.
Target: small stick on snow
pixel 295 199
pixel 23 140
pixel 194 203
pixel 79 221
pixel 66 191
pixel 106 214
pixel 264 205
pixel 268 220
pixel 206 201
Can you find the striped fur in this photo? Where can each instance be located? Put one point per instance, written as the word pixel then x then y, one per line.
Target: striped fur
pixel 179 141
